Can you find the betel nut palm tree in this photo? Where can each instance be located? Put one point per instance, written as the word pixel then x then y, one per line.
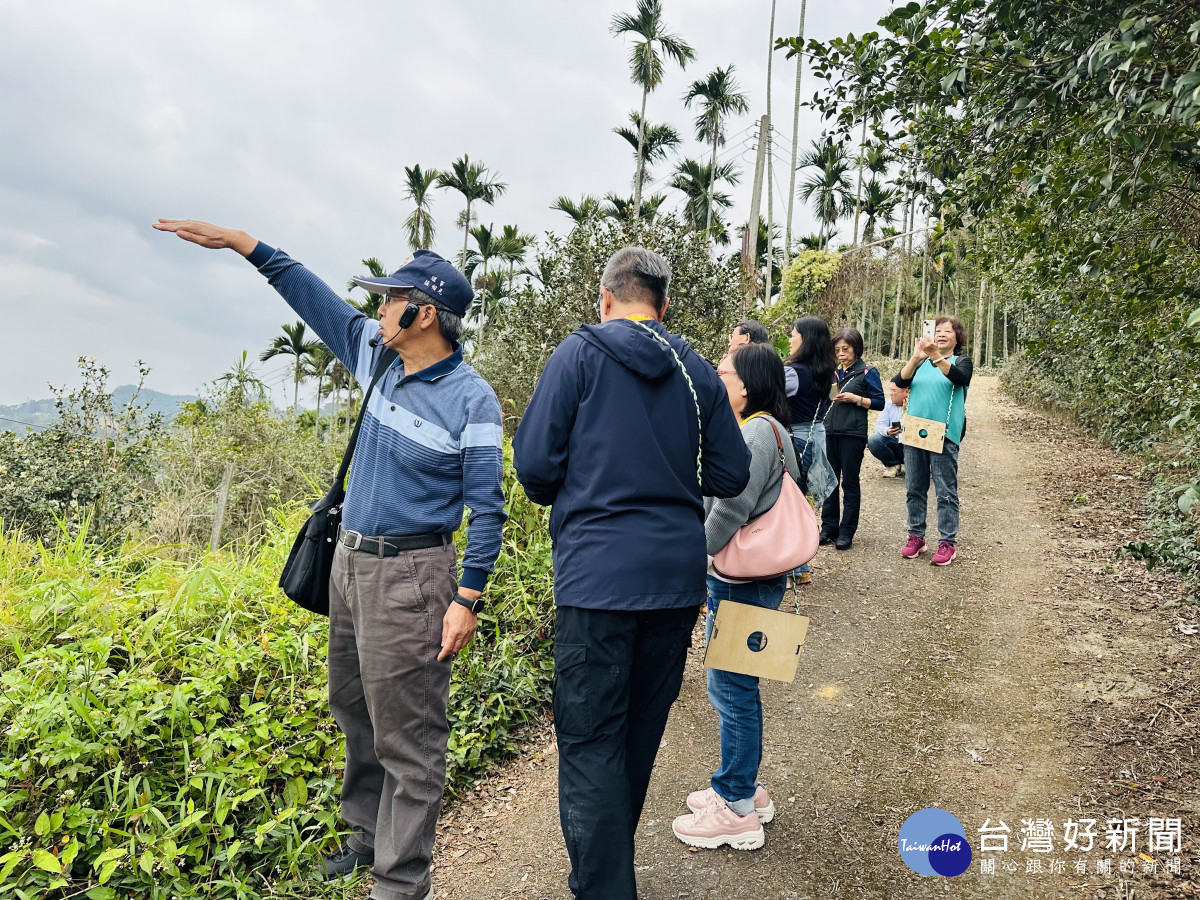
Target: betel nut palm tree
pixel 623 208
pixel 703 204
pixel 472 181
pixel 483 252
pixel 293 342
pixel 319 365
pixel 719 97
pixel 879 204
pixel 369 306
pixel 419 225
pixel 864 63
pixel 657 142
pixel 588 207
pixel 829 187
pixel 651 42
pixel 511 247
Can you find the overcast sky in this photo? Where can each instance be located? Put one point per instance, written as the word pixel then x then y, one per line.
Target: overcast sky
pixel 294 121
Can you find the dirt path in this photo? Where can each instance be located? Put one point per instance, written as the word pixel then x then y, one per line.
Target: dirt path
pixel 1010 685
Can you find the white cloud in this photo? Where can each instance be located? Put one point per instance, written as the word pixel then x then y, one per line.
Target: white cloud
pixel 295 122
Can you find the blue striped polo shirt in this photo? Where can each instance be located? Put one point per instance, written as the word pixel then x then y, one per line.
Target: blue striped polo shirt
pixel 430 442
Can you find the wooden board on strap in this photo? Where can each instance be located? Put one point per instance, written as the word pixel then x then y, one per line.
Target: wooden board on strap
pixel 924 434
pixel 740 628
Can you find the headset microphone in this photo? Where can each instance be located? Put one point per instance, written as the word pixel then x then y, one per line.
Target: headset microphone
pixel 406 318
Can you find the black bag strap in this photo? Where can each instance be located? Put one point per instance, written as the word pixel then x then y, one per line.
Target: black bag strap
pixel 385 362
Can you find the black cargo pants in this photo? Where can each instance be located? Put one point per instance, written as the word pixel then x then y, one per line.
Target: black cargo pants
pixel 616 675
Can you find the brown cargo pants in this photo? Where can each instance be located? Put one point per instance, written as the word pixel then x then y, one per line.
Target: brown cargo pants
pixel 388 694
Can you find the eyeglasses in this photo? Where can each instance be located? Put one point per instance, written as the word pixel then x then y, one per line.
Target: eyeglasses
pixel 723 372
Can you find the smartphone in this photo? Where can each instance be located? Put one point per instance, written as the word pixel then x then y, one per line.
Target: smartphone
pixel 927 331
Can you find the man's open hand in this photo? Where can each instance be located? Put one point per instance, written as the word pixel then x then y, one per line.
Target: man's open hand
pixel 214 237
pixel 458 628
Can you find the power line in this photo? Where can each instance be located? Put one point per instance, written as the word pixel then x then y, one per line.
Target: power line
pixel 724 156
pixel 26 424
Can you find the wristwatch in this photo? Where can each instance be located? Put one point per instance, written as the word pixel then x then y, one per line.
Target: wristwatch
pixel 475 606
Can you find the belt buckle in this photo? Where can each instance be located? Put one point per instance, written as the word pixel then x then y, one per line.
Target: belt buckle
pixel 358 539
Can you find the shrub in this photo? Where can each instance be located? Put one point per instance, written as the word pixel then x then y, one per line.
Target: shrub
pixel 95 464
pixel 275 462
pixel 165 728
pixel 705 300
pixel 809 272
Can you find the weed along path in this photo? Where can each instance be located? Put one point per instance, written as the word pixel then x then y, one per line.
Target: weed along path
pixel 1015 684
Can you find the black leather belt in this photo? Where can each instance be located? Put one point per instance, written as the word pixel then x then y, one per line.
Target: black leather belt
pixel 389 546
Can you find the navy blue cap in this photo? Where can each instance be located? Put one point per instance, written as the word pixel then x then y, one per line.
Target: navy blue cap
pixel 429 273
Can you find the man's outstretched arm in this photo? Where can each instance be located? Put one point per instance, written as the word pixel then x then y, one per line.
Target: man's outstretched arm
pixel 213 237
pixel 338 324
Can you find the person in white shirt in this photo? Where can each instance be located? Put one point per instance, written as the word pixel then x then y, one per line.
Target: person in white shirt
pixel 885 444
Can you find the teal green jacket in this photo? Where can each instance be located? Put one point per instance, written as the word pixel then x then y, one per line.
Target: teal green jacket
pixel 930 394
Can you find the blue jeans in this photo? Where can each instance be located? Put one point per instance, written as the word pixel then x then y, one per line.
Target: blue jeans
pixel 918 465
pixel 737 700
pixel 887 449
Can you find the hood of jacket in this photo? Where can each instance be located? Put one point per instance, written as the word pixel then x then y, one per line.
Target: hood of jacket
pixel 632 345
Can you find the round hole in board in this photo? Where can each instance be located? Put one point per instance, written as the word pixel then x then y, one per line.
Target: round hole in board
pixel 757 642
pixel 923 432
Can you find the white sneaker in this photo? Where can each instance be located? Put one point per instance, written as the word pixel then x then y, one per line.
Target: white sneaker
pixel 763 804
pixel 717 825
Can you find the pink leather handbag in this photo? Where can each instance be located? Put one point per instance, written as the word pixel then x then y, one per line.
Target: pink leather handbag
pixel 780 540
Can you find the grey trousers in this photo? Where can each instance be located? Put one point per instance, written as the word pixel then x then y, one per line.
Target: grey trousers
pixel 388 694
pixel 919 465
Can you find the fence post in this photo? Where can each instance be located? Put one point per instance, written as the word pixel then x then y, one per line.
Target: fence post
pixel 214 540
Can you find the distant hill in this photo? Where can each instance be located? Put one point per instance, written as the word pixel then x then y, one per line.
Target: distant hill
pixel 42 413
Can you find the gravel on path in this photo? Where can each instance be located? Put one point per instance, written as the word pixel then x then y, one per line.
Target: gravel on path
pixel 1038 677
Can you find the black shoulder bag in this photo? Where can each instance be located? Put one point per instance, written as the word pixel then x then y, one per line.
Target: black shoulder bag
pixel 305 576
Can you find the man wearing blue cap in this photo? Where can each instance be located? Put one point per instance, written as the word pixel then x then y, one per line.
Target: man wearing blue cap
pixel 430 443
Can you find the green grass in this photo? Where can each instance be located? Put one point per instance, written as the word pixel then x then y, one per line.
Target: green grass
pixel 165 727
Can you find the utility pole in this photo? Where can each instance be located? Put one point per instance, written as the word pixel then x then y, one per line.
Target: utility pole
pixel 770 168
pixel 750 237
pixel 787 238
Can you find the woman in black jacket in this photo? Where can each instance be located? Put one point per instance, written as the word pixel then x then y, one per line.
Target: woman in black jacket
pixel 859 389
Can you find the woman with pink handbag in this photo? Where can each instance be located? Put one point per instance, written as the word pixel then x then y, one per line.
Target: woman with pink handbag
pixel 732 811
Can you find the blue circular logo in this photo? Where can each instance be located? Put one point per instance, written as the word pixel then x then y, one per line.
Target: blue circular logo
pixel 933 842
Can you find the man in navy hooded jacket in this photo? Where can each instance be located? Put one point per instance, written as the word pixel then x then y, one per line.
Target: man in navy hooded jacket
pixel 626 433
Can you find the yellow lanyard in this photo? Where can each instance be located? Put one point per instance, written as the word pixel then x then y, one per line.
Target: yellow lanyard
pixel 748 418
pixel 639 318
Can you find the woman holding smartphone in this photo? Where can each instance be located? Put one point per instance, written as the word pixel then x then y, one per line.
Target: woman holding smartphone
pixel 937 375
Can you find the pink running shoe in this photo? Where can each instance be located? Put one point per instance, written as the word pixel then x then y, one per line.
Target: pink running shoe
pixel 716 825
pixel 763 804
pixel 914 548
pixel 945 553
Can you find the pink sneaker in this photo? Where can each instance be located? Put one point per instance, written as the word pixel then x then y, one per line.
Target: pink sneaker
pixel 945 553
pixel 914 548
pixel 763 804
pixel 717 824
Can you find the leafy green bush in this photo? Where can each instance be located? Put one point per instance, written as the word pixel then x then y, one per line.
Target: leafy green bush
pixel 95 464
pixel 165 724
pixel 1065 138
pixel 805 277
pixel 705 300
pixel 275 462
